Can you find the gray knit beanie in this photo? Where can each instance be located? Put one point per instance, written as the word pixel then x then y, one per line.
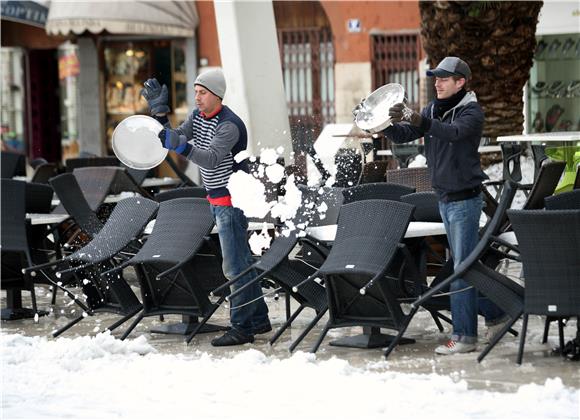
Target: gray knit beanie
pixel 214 81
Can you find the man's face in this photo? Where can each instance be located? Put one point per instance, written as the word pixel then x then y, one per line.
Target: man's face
pixel 447 86
pixel 206 101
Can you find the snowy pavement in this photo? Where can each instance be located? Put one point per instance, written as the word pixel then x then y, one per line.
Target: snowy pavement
pixel 85 375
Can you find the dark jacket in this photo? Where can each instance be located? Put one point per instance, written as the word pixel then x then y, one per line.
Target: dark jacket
pixel 451 145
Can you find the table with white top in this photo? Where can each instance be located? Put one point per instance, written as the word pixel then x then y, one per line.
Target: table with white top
pixel 160 182
pixel 560 145
pixel 415 230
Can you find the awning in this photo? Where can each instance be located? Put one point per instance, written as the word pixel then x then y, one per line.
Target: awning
pixel 172 18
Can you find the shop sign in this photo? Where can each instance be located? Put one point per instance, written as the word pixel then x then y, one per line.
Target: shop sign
pixel 28 12
pixel 68 66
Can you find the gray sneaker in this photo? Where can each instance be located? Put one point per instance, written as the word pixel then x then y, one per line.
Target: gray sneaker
pixel 493 330
pixel 454 347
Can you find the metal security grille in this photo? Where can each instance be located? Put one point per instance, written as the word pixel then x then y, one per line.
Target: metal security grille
pixel 307 57
pixel 395 59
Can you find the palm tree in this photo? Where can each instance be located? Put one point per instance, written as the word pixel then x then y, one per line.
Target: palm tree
pixel 497 40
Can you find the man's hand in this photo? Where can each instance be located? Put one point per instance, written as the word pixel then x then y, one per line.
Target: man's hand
pixel 358 108
pixel 399 112
pixel 157 97
pixel 172 140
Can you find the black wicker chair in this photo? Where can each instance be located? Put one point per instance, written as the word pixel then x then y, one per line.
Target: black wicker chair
pixel 166 265
pixel 12 164
pixel 183 192
pixel 426 206
pixel 73 202
pixel 16 252
pixel 549 242
pixel 564 201
pixel 376 191
pixel 84 162
pixel 43 172
pixel 114 244
pixel 417 178
pixel 355 271
pixel 288 272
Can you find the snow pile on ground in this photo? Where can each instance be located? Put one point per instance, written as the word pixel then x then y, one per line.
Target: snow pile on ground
pixel 101 377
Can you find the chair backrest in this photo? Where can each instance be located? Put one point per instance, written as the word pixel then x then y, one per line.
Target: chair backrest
pixel 12 164
pixel 180 228
pixel 377 191
pixel 417 178
pixel 374 171
pixel 564 201
pixel 126 222
pixel 38 198
pixel 348 167
pixel 549 243
pixel 73 201
pixel 539 155
pixel 183 192
pixel 13 237
pixel 544 185
pixel 426 206
pixel 96 183
pixel 364 238
pixel 43 172
pixel 74 163
pixel 322 204
pixel 137 175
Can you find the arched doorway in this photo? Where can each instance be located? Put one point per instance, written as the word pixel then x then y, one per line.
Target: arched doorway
pixel 307 58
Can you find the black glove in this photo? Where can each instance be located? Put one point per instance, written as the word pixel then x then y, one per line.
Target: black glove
pixel 399 112
pixel 358 108
pixel 157 97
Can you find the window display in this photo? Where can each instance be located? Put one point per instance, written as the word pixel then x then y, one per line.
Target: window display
pixel 128 65
pixel 12 95
pixel 554 87
pixel 68 73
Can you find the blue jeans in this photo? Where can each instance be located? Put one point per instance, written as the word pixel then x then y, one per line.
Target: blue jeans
pixel 248 310
pixel 461 219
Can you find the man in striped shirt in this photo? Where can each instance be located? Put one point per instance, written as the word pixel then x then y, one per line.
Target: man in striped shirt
pixel 210 137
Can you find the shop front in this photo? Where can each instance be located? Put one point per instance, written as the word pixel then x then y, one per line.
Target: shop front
pixel 553 93
pixel 112 49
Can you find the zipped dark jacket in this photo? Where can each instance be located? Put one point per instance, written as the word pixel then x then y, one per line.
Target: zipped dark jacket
pixel 451 145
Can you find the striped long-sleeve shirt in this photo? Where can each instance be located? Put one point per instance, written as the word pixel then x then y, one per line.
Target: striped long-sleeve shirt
pixel 212 142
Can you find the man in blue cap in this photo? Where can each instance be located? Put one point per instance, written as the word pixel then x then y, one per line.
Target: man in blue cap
pixel 452 126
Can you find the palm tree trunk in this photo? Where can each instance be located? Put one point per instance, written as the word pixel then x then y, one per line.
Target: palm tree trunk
pixel 497 40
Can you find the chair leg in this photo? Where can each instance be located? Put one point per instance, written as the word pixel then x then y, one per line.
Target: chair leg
pixel 307 330
pixel 496 339
pixel 122 320
pixel 522 339
pixel 204 320
pixel 133 325
pixel 289 321
pixel 546 330
pixel 319 341
pixel 53 299
pixel 435 317
pixel 402 330
pixel 33 298
pixel 67 326
pixel 561 335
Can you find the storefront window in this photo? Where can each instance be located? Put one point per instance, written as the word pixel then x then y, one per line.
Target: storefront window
pixel 12 100
pixel 68 73
pixel 129 64
pixel 554 88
